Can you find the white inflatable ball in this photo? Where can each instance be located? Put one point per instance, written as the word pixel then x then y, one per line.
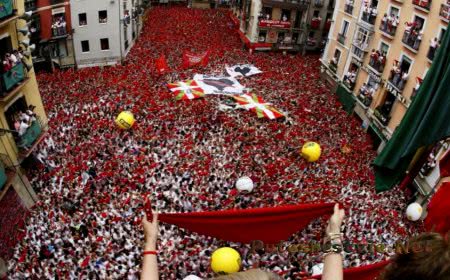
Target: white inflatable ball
pixel 244 184
pixel 414 211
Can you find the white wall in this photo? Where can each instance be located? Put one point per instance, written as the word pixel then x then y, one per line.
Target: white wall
pixel 94 31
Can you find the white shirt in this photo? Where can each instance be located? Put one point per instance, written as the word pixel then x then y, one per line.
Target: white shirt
pixel 23 128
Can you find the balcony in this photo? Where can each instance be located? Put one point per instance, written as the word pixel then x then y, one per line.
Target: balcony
pixel 359 50
pixel 382 115
pixel 412 39
pixel 59 31
pixel 377 62
pixel 444 12
pixel 287 4
pixel 365 95
pixel 348 9
pixel 7 12
pixel 11 80
pixel 31 138
pixel 350 80
pixel 315 23
pixel 388 29
pixel 341 38
pixel 368 17
pixel 423 5
pixel 398 80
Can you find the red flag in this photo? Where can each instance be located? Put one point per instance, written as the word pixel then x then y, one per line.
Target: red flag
pixel 161 65
pixel 438 218
pixel 366 272
pixel 269 225
pixel 192 59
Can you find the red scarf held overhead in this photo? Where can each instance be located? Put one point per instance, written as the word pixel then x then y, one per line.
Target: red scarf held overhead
pixel 366 272
pixel 269 225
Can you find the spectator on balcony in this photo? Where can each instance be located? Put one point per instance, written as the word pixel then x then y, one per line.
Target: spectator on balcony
pixel 403 80
pixel 418 40
pixel 350 78
pixel 395 72
pixel 374 57
pixel 373 14
pixel 394 23
pixel 23 127
pixel 284 18
pixel 434 45
pixel 384 22
pixel 409 26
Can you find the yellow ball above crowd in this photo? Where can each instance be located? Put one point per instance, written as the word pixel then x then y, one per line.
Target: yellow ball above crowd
pixel 311 151
pixel 225 260
pixel 125 120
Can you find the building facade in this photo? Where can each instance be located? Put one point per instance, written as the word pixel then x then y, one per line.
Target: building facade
pixel 290 25
pixel 19 134
pixel 51 33
pixel 378 53
pixel 104 31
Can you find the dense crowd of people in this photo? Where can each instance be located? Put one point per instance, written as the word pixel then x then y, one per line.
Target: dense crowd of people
pixel 187 155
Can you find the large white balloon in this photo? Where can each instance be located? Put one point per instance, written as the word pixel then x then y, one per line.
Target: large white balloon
pixel 244 184
pixel 414 211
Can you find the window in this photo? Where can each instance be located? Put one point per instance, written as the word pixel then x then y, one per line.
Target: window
pixel 344 27
pixel 266 13
pixel 362 38
pixel 85 46
pixel 441 34
pixel 103 16
pixel 295 38
pixel 30 5
pixel 420 22
pixel 298 19
pixel 394 12
pixel 82 19
pixel 262 36
pixel 337 55
pixel 405 64
pixel 373 83
pixel 384 48
pixel 281 36
pixel 104 44
pixel 316 14
pixel 311 34
pixel 285 15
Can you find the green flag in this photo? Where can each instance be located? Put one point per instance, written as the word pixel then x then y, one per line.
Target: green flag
pixel 426 122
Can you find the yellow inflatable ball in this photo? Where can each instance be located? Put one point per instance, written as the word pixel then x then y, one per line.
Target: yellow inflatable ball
pixel 125 120
pixel 225 260
pixel 311 151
